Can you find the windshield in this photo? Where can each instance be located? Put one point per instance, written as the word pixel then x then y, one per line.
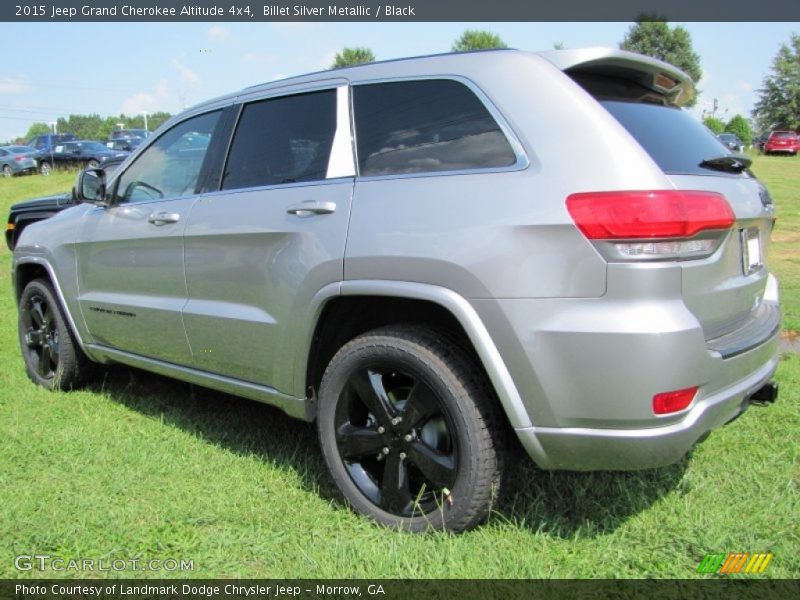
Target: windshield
pixel 675 140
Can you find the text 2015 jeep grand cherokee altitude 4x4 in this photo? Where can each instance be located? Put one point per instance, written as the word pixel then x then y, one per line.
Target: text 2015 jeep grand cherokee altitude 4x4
pixel 419 253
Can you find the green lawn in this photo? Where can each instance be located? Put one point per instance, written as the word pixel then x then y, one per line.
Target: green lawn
pixel 141 467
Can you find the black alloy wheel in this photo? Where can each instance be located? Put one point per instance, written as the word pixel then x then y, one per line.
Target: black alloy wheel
pixel 410 431
pixel 395 440
pixel 40 335
pixel 51 353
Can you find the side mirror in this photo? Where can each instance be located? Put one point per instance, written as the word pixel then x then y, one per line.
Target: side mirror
pixel 91 187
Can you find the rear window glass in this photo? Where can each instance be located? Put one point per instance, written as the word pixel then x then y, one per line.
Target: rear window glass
pixel 425 126
pixel 783 134
pixel 675 140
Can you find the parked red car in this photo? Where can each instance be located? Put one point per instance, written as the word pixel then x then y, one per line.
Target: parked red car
pixel 785 142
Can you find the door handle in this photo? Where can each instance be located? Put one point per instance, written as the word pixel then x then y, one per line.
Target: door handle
pixel 311 207
pixel 162 218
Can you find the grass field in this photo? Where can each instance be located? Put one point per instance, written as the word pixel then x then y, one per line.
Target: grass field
pixel 140 467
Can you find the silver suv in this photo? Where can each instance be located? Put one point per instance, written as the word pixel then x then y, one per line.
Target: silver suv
pixel 422 255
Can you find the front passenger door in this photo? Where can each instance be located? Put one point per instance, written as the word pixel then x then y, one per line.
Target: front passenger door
pixel 130 254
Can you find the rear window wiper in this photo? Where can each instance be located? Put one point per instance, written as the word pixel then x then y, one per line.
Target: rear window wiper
pixel 730 163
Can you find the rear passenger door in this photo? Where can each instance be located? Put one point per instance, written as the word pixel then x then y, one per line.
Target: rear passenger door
pixel 260 248
pixel 439 161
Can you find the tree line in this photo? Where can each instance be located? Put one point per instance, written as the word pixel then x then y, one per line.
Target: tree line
pixel 95 127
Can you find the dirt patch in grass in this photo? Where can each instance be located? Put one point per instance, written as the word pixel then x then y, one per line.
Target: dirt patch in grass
pixel 789 341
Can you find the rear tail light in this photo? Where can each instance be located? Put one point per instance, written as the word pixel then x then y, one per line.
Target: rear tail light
pixel 19 158
pixel 652 224
pixel 670 402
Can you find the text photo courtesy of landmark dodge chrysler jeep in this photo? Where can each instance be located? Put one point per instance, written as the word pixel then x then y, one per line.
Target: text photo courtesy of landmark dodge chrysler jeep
pixel 417 256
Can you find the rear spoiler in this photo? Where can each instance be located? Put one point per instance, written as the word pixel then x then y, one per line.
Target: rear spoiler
pixel 656 75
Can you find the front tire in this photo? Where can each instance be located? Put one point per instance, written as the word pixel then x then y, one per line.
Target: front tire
pixel 45 168
pixel 52 356
pixel 409 431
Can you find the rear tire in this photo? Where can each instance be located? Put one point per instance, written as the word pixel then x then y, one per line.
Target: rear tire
pixel 45 168
pixel 409 433
pixel 7 172
pixel 51 353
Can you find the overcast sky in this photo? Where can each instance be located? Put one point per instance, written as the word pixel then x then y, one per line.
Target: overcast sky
pixel 54 69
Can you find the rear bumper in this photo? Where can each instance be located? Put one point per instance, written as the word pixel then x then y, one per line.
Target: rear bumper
pixel 631 449
pixel 587 370
pixel 25 168
pixel 782 149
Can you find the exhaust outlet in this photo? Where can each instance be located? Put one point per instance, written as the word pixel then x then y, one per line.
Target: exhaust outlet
pixel 765 395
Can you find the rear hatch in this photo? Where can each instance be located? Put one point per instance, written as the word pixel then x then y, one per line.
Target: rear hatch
pixel 725 289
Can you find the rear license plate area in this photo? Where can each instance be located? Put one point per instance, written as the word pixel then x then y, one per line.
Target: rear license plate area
pixel 752 259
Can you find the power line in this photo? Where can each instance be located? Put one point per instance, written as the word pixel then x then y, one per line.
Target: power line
pixel 25 110
pixel 16 118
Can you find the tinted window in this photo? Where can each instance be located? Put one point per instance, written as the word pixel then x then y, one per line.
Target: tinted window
pixel 675 140
pixel 783 134
pixel 282 140
pixel 425 126
pixel 170 167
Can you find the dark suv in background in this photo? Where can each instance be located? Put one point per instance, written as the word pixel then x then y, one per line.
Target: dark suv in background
pixel 46 144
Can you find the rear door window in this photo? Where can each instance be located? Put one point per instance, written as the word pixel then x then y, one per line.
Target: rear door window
pixel 425 126
pixel 282 140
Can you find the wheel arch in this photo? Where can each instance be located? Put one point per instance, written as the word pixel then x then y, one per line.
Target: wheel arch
pixel 350 308
pixel 26 270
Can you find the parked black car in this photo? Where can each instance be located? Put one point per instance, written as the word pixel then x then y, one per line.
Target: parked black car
pixel 22 214
pixel 78 153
